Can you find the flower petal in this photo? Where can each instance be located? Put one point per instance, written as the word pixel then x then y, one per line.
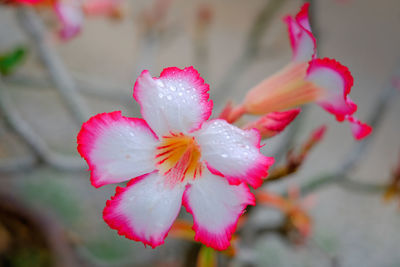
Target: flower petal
pixel 233 152
pixel 71 17
pixel 145 209
pixel 302 40
pixel 116 148
pixel 29 2
pixel 175 102
pixel 359 129
pixel 284 90
pixel 336 82
pixel 273 123
pixel 216 206
pixel 101 7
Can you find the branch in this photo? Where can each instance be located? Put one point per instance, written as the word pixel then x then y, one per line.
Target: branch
pixel 359 150
pixel 17 164
pixel 362 187
pixel 251 49
pixel 87 85
pixel 95 86
pixel 290 135
pixel 34 27
pixel 34 141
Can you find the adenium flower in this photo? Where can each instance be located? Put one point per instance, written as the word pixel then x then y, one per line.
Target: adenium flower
pixel 306 79
pixel 70 13
pixel 70 16
pixel 27 2
pixel 273 123
pixel 102 7
pixel 296 158
pixel 176 157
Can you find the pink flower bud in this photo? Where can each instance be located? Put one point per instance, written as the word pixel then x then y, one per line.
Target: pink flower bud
pixel 273 123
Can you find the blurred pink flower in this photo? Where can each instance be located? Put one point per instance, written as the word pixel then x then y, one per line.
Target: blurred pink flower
pixel 306 79
pixel 298 223
pixel 102 7
pixel 178 158
pixel 29 2
pixel 70 13
pixel 273 123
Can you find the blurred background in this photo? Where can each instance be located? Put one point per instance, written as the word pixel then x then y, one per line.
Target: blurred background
pixel 50 215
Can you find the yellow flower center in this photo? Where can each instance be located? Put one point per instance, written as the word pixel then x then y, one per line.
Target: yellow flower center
pixel 178 158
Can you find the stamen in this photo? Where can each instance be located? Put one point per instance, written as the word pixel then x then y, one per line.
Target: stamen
pixel 178 158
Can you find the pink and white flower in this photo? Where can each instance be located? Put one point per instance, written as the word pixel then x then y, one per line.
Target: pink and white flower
pixel 306 79
pixel 70 16
pixel 178 158
pixel 71 13
pixel 273 123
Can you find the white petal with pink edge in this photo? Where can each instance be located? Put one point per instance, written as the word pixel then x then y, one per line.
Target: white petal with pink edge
pixel 302 40
pixel 336 81
pixel 175 102
pixel 145 209
pixel 216 207
pixel 359 129
pixel 116 148
pixel 233 152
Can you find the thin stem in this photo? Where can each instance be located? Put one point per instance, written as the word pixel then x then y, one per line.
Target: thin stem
pixel 251 49
pixel 375 118
pixel 290 135
pixel 90 86
pixel 362 187
pixel 359 150
pixel 34 141
pixel 63 81
pixel 17 164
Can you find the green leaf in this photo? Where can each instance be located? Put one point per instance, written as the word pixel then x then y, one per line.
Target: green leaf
pixel 9 61
pixel 207 257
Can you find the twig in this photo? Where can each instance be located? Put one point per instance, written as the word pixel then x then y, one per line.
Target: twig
pixel 200 38
pixel 34 27
pixel 94 86
pixel 149 46
pixel 290 135
pixel 355 155
pixel 296 125
pixel 362 187
pixel 87 85
pixel 34 141
pixel 251 48
pixel 17 164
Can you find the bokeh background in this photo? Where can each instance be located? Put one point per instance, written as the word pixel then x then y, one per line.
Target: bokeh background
pixel 351 227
